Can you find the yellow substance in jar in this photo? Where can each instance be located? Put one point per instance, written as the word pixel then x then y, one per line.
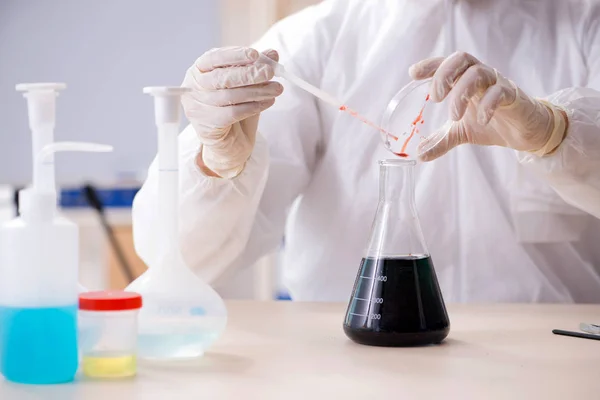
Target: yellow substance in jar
pixel 106 366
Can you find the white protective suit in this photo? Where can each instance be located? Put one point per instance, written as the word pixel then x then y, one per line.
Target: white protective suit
pixel 500 225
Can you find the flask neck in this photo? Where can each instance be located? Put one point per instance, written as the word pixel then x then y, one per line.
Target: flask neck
pixel 397 182
pixel 396 231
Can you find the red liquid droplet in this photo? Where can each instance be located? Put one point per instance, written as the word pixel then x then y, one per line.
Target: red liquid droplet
pixel 414 126
pixel 401 155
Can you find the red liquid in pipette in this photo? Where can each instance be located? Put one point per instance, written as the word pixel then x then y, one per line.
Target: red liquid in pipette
pixel 414 129
pixel 366 121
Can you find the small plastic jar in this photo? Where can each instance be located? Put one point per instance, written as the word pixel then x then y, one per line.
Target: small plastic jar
pixel 108 333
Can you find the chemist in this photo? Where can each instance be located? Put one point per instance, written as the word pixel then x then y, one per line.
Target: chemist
pixel 509 202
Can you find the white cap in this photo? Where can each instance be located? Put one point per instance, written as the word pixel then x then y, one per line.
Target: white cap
pixel 37 205
pixel 167 106
pixel 41 102
pixel 30 87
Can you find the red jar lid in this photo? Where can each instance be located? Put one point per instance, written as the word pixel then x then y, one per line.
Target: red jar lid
pixel 110 300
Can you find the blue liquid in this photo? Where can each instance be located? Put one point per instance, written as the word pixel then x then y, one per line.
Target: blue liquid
pixel 38 345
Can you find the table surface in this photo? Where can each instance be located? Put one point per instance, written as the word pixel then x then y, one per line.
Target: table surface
pixel 289 350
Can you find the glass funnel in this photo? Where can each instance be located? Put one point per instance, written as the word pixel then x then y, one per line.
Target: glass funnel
pixel 182 316
pixel 417 122
pixel 396 300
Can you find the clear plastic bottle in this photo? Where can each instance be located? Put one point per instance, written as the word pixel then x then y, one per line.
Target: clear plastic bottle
pixel 108 333
pixel 396 300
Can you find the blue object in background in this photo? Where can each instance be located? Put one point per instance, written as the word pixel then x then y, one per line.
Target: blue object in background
pixel 283 296
pixel 38 345
pixel 111 198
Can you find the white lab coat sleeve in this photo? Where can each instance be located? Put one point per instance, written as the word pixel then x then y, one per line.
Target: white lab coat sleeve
pixel 226 224
pixel 574 169
pixel 214 214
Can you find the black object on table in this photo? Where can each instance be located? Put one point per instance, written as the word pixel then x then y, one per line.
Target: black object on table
pixel 576 334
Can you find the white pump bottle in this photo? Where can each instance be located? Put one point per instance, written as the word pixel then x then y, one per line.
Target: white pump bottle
pixel 39 250
pixel 39 266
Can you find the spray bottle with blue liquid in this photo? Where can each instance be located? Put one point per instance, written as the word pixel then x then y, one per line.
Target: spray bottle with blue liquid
pixel 39 259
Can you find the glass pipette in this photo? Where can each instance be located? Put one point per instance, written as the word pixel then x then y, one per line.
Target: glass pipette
pixel 281 72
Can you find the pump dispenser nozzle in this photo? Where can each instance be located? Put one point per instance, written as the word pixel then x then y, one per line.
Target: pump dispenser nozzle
pixel 46 155
pixel 40 200
pixel 41 108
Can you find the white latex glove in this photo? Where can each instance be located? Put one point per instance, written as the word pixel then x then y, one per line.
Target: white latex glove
pixel 487 108
pixel 229 91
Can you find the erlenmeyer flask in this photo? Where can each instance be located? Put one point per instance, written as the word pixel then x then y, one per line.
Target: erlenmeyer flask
pixel 396 300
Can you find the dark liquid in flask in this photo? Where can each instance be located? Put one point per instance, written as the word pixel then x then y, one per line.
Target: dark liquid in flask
pixel 397 302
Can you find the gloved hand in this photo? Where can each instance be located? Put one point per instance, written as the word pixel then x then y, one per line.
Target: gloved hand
pixel 487 108
pixel 229 91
